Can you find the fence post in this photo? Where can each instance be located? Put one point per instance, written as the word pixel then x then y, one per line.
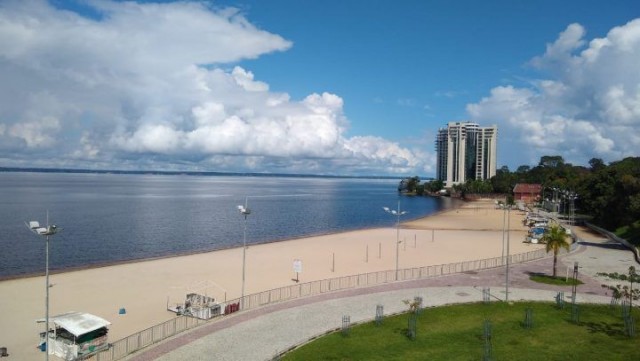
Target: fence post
pixel 629 326
pixel 346 325
pixel 411 326
pixel 486 295
pixel 379 314
pixel 488 351
pixel 528 318
pixel 575 313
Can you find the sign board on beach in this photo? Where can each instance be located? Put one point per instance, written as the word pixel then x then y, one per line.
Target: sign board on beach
pixel 297 266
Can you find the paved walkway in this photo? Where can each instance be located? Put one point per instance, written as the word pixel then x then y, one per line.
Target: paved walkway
pixel 259 334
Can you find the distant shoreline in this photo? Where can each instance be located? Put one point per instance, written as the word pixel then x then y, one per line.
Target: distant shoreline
pixel 191 173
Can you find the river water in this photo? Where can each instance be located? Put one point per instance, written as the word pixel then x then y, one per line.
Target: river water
pixel 110 218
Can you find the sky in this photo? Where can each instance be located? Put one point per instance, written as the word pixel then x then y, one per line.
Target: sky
pixel 332 87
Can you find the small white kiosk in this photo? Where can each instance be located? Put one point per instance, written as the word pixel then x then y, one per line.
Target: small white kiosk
pixel 76 334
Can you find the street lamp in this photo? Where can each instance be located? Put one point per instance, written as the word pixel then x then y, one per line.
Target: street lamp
pixel 245 211
pixel 508 227
pixel 504 224
pixel 572 196
pixel 397 213
pixel 47 231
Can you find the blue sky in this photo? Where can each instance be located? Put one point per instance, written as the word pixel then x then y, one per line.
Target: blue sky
pixel 325 87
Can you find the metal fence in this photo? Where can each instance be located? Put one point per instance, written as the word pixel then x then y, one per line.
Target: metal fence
pixel 126 346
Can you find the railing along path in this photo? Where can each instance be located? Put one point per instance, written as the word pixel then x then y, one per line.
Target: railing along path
pixel 128 345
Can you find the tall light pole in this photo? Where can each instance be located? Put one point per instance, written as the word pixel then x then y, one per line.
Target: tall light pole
pixel 507 269
pixel 504 223
pixel 556 202
pixel 572 210
pixel 47 231
pixel 396 213
pixel 245 211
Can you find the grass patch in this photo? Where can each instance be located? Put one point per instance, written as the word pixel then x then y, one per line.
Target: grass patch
pixel 558 281
pixel 456 333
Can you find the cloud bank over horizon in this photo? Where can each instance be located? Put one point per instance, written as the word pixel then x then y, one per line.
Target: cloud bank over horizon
pixel 587 105
pixel 156 86
pixel 106 84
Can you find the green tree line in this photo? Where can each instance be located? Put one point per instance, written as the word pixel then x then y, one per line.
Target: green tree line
pixel 608 193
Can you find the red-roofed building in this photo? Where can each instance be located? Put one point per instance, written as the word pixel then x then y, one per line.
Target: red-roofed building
pixel 526 192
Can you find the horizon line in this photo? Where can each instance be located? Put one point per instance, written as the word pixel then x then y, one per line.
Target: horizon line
pixel 197 173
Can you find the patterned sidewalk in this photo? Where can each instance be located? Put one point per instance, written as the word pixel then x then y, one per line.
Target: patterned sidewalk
pixel 258 334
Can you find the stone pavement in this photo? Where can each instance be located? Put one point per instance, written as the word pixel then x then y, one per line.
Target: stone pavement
pixel 259 334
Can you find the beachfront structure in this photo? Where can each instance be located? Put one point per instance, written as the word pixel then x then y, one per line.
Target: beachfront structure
pixel 75 334
pixel 203 307
pixel 465 150
pixel 527 192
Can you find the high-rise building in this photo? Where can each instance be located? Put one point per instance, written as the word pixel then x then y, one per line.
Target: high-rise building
pixel 465 150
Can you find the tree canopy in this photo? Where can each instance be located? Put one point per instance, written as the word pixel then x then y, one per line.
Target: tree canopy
pixel 608 193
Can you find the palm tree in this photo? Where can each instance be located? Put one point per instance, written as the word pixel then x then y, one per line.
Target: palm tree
pixel 555 239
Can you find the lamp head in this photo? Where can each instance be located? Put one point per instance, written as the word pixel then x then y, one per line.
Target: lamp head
pixel 51 230
pixel 36 228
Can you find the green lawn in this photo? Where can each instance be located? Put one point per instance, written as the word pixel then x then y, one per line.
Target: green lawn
pixel 558 280
pixel 456 333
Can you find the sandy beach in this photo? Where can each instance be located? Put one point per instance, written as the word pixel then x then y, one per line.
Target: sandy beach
pixel 143 289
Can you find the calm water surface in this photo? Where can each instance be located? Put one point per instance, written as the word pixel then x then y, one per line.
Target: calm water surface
pixel 109 218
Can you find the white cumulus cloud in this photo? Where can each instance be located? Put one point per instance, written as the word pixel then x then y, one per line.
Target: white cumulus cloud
pixel 156 85
pixel 586 103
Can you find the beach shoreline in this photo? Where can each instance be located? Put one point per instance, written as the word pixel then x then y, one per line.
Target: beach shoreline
pixel 457 203
pixel 145 288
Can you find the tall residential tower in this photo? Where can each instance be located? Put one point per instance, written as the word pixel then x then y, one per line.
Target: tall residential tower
pixel 465 151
